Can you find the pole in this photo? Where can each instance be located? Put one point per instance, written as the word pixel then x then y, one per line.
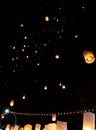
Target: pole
pixel 14 116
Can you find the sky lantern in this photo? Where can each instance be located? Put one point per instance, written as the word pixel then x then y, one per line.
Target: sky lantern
pixel 24 97
pixel 61 125
pixel 8 126
pixel 21 128
pixel 88 121
pixel 46 18
pixel 88 56
pixel 16 127
pixel 28 127
pixel 12 102
pixel 37 126
pixel 2 116
pixel 54 117
pixel 57 56
pixel 50 126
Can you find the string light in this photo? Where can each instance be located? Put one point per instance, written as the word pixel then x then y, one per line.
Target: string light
pixel 58 113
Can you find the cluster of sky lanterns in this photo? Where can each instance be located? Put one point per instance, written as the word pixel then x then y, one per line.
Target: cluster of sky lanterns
pixel 87 54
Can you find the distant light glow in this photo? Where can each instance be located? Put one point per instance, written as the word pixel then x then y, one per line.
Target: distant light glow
pixel 45 87
pixel 23 97
pixel 88 56
pixel 12 102
pixel 46 18
pixel 21 25
pixel 25 37
pixel 76 36
pixel 63 86
pixel 57 56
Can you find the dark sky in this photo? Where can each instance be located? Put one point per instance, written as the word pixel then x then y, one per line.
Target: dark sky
pixel 27 56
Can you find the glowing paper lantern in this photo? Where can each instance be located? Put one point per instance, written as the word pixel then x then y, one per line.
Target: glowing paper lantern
pixel 50 126
pixel 16 127
pixel 88 121
pixel 12 128
pixel 61 125
pixel 21 128
pixel 23 97
pixel 54 117
pixel 12 103
pixel 88 56
pixel 37 126
pixel 46 18
pixel 2 116
pixel 28 127
pixel 8 127
pixel 57 56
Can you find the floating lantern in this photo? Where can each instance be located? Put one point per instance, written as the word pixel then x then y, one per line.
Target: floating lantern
pixel 50 126
pixel 2 116
pixel 88 121
pixel 16 127
pixel 57 56
pixel 37 126
pixel 12 102
pixel 8 127
pixel 88 56
pixel 61 125
pixel 23 97
pixel 21 128
pixel 46 18
pixel 12 128
pixel 54 117
pixel 28 127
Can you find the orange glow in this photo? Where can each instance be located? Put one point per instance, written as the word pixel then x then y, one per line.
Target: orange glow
pixel 88 56
pixel 57 56
pixel 46 18
pixel 12 102
pixel 54 117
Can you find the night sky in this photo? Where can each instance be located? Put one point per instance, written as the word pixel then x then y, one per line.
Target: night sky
pixel 41 45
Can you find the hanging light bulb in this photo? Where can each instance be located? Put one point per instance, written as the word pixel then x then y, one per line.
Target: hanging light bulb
pixel 88 56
